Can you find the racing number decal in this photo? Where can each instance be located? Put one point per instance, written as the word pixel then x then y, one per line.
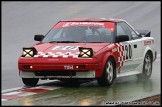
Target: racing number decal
pixel 128 52
pixel 65 48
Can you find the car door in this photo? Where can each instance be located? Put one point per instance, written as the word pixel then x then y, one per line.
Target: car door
pixel 132 48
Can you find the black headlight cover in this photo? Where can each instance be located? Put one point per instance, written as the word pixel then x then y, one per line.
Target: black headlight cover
pixel 88 52
pixel 29 52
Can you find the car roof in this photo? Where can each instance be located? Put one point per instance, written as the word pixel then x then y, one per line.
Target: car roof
pixel 93 20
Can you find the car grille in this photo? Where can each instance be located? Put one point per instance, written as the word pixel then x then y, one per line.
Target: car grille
pixel 55 73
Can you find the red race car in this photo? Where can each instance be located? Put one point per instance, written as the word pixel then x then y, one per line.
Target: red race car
pixel 85 48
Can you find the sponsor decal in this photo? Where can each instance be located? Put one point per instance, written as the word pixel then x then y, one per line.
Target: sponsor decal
pixel 68 67
pixel 108 25
pixel 111 46
pixel 147 42
pixel 83 24
pixel 114 50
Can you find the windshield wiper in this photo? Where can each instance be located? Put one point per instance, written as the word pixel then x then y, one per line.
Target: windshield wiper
pixel 63 42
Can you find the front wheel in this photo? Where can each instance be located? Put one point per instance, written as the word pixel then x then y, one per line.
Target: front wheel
pixel 108 74
pixel 30 81
pixel 147 67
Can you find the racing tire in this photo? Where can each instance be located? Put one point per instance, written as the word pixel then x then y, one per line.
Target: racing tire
pixel 30 81
pixel 108 75
pixel 147 67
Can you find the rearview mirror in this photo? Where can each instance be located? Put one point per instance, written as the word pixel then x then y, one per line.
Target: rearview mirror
pixel 38 37
pixel 122 38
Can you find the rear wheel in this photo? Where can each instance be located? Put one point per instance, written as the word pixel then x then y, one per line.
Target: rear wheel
pixel 30 81
pixel 147 67
pixel 108 74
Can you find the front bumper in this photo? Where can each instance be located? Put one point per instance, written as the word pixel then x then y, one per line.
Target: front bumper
pixel 49 68
pixel 55 67
pixel 88 74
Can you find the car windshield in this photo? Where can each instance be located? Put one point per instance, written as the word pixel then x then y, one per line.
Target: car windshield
pixel 82 33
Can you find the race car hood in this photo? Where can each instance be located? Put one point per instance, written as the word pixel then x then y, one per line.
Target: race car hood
pixel 68 47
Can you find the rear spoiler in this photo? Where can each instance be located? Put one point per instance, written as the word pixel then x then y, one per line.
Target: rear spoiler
pixel 144 33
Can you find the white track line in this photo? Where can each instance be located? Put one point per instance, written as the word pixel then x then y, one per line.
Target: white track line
pixel 18 88
pixel 4 100
pixel 12 89
pixel 26 92
pixel 11 93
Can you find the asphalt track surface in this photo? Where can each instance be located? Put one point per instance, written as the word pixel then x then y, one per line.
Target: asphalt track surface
pixel 22 20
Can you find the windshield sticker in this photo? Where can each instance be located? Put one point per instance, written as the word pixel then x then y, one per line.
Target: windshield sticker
pixel 83 24
pixel 109 25
pixel 65 48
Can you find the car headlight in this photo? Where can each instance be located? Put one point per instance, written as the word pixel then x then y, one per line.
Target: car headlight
pixel 29 52
pixel 85 52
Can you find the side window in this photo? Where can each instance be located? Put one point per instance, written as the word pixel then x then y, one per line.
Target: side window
pixel 130 31
pixel 122 29
pixel 134 35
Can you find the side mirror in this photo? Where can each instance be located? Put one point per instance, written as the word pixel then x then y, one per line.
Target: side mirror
pixel 122 38
pixel 38 37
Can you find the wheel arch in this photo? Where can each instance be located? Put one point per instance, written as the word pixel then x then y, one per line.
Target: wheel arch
pixel 106 57
pixel 148 50
pixel 103 80
pixel 114 62
pixel 143 75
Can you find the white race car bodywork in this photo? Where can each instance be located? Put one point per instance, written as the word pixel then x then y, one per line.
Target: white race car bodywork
pixel 139 47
